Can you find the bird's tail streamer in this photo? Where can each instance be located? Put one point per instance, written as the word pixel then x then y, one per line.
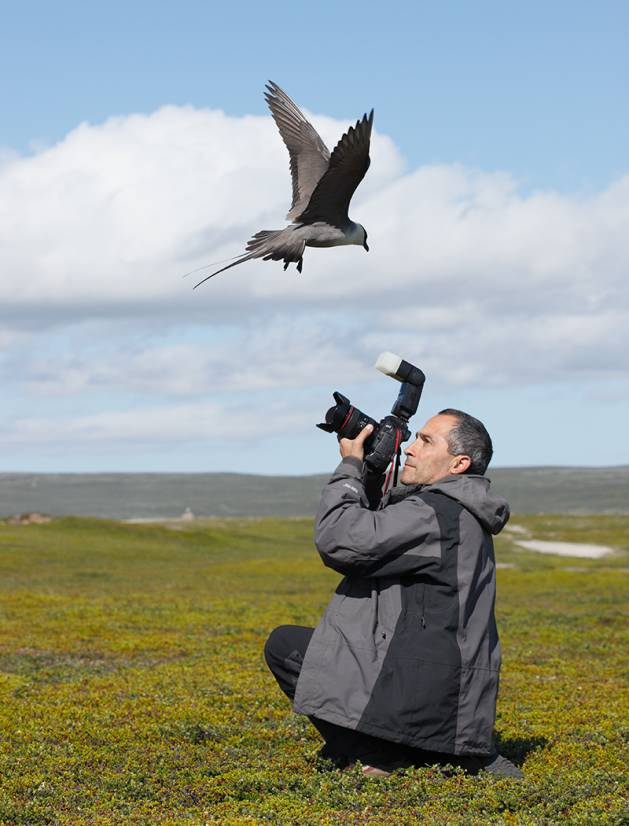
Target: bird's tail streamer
pixel 239 260
pixel 211 264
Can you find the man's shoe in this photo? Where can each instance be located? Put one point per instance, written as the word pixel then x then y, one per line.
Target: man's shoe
pixel 374 771
pixel 495 764
pixel 385 769
pixel 502 767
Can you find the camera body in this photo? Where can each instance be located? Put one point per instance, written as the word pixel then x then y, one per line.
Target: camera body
pixel 389 433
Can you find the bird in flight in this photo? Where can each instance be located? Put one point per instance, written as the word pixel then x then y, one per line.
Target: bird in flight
pixel 323 186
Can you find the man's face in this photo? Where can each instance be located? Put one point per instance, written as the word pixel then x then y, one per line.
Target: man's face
pixel 427 459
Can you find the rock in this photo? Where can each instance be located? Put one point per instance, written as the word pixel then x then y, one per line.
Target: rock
pixel 33 518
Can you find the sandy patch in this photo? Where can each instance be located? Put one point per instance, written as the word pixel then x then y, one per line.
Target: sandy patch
pixel 565 548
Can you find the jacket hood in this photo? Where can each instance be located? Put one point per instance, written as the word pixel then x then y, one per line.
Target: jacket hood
pixel 472 491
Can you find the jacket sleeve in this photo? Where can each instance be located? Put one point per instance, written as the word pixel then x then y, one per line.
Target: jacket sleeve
pixel 401 538
pixel 373 488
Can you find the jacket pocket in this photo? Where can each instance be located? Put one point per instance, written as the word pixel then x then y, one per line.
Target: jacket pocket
pixel 422 607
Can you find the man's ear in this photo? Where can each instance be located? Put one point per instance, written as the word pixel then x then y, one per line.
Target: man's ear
pixel 460 464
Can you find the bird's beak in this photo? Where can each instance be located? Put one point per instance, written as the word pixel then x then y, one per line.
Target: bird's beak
pixel 366 246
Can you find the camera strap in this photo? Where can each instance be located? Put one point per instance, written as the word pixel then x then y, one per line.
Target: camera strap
pixel 398 459
pixel 395 463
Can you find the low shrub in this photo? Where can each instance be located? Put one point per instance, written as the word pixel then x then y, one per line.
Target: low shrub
pixel 134 691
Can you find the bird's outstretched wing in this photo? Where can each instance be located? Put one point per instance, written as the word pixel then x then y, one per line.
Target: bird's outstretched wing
pixel 309 156
pixel 348 165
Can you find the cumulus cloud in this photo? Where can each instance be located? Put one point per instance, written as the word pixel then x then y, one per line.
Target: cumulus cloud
pixel 469 275
pixel 291 354
pixel 114 214
pixel 108 219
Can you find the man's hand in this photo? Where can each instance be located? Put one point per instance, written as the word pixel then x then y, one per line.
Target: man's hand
pixel 356 447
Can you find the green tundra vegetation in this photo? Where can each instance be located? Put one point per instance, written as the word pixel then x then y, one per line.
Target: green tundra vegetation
pixel 134 689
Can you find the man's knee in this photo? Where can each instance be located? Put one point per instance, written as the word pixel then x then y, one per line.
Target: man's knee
pixel 285 641
pixel 284 653
pixel 273 646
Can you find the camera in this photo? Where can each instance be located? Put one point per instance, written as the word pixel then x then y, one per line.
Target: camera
pixel 388 434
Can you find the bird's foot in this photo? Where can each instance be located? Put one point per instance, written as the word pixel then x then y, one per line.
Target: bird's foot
pixel 300 264
pixel 286 263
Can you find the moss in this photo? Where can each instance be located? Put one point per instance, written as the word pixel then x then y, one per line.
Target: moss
pixel 133 689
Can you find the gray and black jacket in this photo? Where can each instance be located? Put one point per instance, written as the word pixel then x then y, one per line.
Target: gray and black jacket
pixel 407 649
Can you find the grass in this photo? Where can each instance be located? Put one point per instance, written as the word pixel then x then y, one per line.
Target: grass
pixel 133 689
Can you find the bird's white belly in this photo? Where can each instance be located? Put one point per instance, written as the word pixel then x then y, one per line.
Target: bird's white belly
pixel 324 235
pixel 332 242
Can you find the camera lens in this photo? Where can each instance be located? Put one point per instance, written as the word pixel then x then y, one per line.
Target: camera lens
pixel 345 419
pixel 354 423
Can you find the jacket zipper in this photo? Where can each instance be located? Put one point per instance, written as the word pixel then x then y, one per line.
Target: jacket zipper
pixel 422 619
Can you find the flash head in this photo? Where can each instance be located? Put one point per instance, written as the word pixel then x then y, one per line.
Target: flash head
pixel 397 368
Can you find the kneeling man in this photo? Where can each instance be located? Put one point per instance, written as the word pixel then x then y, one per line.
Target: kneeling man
pixel 403 667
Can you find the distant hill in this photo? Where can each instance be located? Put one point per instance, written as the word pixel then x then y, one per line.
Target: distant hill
pixel 162 495
pixel 564 490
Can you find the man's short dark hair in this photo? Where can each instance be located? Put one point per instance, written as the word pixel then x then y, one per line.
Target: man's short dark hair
pixel 469 437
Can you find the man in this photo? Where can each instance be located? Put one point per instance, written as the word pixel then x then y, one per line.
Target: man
pixel 403 667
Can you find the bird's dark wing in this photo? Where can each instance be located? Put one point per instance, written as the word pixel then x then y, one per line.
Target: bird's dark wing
pixel 309 156
pixel 348 165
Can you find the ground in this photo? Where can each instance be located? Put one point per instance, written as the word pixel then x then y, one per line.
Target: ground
pixel 133 689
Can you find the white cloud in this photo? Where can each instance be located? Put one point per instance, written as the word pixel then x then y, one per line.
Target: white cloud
pixel 7 156
pixel 469 277
pixel 152 426
pixel 297 353
pixel 114 214
pixel 10 337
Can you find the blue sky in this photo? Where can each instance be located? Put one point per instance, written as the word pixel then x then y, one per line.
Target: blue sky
pixel 496 201
pixel 538 89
